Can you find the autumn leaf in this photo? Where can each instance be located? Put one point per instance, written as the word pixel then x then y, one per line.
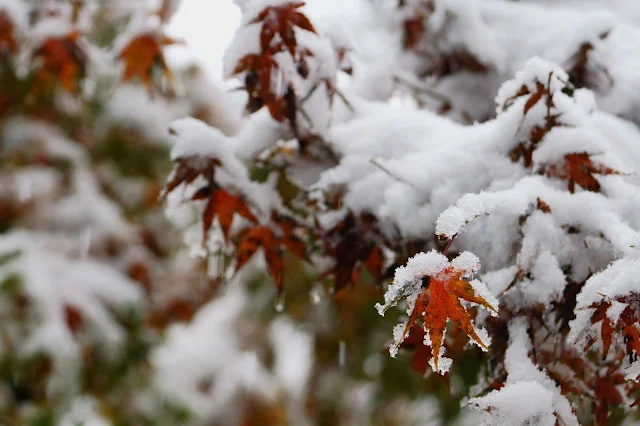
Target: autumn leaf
pixel 535 97
pixel 355 243
pixel 223 205
pixel 188 169
pixel 7 37
pixel 443 285
pixel 415 342
pixel 60 62
pixel 607 395
pixel 142 55
pixel 626 324
pixel 73 318
pixel 281 20
pixel 273 238
pixel 578 168
pixel 265 82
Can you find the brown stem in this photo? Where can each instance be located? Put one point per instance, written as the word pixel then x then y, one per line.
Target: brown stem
pixel 446 249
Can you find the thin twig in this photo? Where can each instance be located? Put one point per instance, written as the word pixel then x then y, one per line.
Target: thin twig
pixel 418 87
pixel 346 102
pixel 446 249
pixel 387 171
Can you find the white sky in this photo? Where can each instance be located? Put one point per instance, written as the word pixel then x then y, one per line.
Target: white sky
pixel 207 27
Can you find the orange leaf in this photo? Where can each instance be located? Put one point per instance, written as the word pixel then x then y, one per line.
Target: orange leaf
pixel 439 302
pixel 272 240
pixel 355 242
pixel 142 55
pixel 224 205
pixel 187 171
pixel 374 264
pixel 579 169
pixel 7 38
pixel 62 62
pixel 535 97
pixel 606 329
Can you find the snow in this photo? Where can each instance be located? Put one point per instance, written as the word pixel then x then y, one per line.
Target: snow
pixel 84 411
pixel 62 280
pixel 252 8
pixel 17 13
pixel 246 41
pixel 407 279
pixel 193 138
pixel 294 356
pixel 210 348
pixel 618 279
pixel 421 174
pixel 131 107
pixel 529 395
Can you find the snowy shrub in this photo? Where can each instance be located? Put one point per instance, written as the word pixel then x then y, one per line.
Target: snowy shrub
pixel 449 182
pixel 543 191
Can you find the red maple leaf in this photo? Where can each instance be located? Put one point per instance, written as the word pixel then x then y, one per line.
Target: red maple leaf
pixel 273 238
pixel 142 55
pixel 355 243
pixel 438 302
pixel 60 62
pixel 578 168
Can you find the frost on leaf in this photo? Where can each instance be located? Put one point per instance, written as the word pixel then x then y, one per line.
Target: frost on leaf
pixel 434 288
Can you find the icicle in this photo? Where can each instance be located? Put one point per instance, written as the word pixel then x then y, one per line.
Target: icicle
pixel 86 242
pixel 25 190
pixel 342 353
pixel 279 305
pixel 216 265
pixel 316 294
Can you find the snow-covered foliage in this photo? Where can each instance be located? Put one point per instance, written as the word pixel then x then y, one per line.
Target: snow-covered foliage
pixel 414 177
pixel 450 134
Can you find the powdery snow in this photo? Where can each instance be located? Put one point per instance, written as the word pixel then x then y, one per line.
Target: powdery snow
pixel 529 395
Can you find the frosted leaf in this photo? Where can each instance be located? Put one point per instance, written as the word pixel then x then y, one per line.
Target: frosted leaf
pixel 481 291
pixel 444 363
pixel 398 332
pixel 252 8
pixel 484 338
pixel 246 41
pixel 470 206
pixel 407 279
pixel 91 287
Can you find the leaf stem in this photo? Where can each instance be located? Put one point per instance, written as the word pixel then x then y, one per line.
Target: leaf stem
pixel 446 249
